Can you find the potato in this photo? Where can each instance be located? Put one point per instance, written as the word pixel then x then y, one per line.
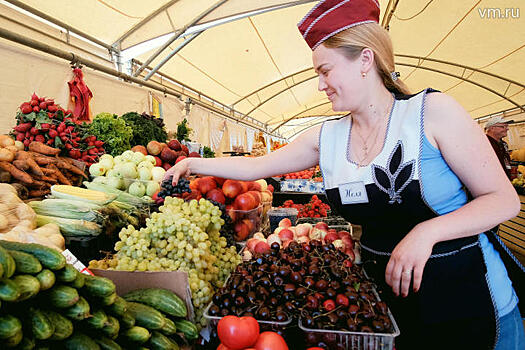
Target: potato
pixel 25 212
pixel 6 155
pixel 19 145
pixel 3 222
pixel 12 149
pixel 6 141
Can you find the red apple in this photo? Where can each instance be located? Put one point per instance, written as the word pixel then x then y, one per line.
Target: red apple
pixel 231 188
pixel 194 184
pixel 285 223
pixel 256 196
pixel 285 234
pixel 216 195
pixel 270 188
pixel 262 247
pixel 322 226
pixel 179 158
pixel 330 237
pixel 158 161
pixel 245 186
pixel 206 184
pixel 251 243
pixel 194 155
pixel 219 180
pixel 254 186
pixel 167 166
pixel 241 231
pixel 244 202
pixel 174 145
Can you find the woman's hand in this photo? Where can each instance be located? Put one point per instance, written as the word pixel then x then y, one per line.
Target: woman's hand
pixel 408 261
pixel 181 169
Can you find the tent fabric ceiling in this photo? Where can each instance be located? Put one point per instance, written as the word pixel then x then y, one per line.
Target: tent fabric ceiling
pixel 261 66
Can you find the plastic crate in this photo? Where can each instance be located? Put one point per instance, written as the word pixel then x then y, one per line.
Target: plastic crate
pixel 273 326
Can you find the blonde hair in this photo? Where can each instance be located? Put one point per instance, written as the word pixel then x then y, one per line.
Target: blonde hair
pixel 370 35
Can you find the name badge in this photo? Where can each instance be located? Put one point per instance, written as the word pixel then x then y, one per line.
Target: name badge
pixel 353 193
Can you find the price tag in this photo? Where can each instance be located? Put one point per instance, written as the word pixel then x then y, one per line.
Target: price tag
pixel 77 264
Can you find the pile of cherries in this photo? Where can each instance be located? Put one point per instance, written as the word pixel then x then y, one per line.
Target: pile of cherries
pixel 315 283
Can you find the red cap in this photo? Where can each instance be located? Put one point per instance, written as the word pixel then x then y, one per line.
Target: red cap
pixel 330 17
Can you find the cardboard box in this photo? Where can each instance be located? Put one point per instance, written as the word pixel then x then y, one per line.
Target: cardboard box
pixel 176 281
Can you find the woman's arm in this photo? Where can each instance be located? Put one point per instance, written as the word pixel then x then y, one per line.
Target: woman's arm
pixel 300 154
pixel 468 153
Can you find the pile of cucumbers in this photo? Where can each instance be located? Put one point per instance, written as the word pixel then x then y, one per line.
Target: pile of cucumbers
pixel 46 303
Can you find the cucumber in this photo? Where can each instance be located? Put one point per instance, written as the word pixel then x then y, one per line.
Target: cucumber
pixel 107 344
pixel 25 263
pixel 112 328
pixel 63 326
pixel 136 334
pixel 41 326
pixel 79 281
pixel 27 285
pixel 159 341
pixel 108 300
pixel 146 316
pixel 118 307
pixel 187 328
pixel 80 341
pixel 67 274
pixel 7 262
pixel 127 320
pixel 26 344
pixel 62 296
pixel 161 299
pixel 99 287
pixel 46 278
pixel 13 341
pixel 79 311
pixel 98 320
pixel 169 327
pixel 8 290
pixel 9 326
pixel 48 257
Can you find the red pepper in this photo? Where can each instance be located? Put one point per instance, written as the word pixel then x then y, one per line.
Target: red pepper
pixel 99 143
pixel 50 142
pixel 74 143
pixel 61 127
pixel 26 109
pixel 63 138
pixel 42 105
pixel 27 134
pixel 53 133
pixel 70 129
pixel 32 138
pixel 27 142
pixel 62 134
pixel 36 109
pixel 52 108
pixel 91 144
pixel 45 126
pixel 20 136
pixel 68 146
pixel 74 134
pixel 341 299
pixel 24 104
pixel 33 103
pixel 93 151
pixel 329 305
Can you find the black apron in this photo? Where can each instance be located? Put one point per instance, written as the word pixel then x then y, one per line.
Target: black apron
pixel 454 308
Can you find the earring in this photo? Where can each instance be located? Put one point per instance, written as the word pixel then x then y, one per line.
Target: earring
pixel 363 74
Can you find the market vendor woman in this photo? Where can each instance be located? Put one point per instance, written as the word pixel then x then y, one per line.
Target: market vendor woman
pixel 398 165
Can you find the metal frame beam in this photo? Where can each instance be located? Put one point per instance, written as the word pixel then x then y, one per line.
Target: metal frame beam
pixel 296 115
pixel 178 33
pixel 144 21
pixel 389 12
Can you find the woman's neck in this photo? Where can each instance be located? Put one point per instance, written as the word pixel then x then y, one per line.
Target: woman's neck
pixel 375 107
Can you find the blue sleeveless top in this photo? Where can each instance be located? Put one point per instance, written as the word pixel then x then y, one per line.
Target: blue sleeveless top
pixel 444 193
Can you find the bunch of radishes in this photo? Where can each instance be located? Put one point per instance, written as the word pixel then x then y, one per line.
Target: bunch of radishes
pixel 285 233
pixel 42 120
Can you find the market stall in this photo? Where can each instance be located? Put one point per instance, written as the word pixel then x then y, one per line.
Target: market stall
pixel 99 251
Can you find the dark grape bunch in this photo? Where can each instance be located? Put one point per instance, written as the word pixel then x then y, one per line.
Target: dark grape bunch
pixel 168 190
pixel 227 230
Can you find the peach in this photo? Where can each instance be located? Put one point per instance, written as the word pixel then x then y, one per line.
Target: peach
pixel 231 188
pixel 285 234
pixel 206 184
pixel 285 223
pixel 322 226
pixel 262 247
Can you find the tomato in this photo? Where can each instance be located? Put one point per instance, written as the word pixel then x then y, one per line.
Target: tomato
pixel 238 332
pixel 270 341
pixel 222 347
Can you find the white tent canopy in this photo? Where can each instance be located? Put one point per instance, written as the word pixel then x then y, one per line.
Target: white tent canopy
pixel 251 56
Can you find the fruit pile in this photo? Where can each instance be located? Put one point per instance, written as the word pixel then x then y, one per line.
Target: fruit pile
pixel 42 120
pixel 181 236
pixel 316 208
pixel 167 155
pixel 48 303
pixel 315 283
pixel 312 173
pixel 167 189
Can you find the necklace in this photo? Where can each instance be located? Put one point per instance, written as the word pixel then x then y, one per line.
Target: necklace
pixel 365 148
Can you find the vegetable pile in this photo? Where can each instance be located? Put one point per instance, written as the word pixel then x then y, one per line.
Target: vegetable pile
pixel 48 303
pixel 37 169
pixel 316 208
pixel 145 128
pixel 113 131
pixel 42 120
